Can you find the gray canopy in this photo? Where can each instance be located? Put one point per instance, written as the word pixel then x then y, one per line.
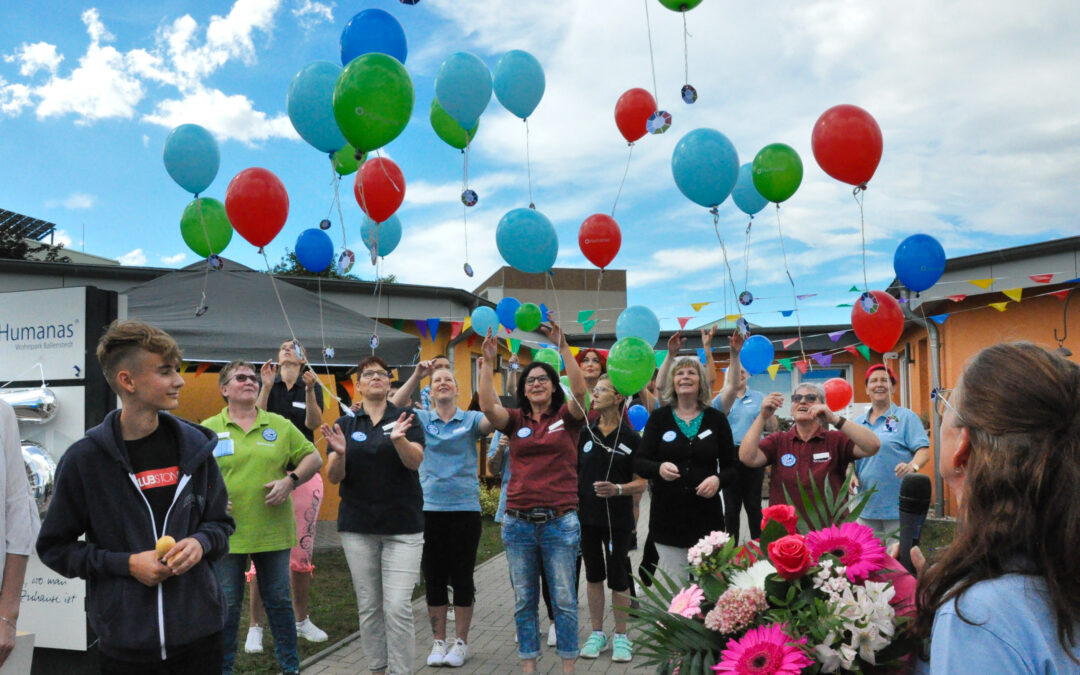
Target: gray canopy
pixel 245 321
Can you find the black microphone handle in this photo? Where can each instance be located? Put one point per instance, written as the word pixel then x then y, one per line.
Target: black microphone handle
pixel 910 531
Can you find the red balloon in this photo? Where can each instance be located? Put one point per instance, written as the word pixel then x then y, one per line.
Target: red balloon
pixel 257 205
pixel 600 239
pixel 632 111
pixel 878 324
pixel 379 188
pixel 837 393
pixel 847 144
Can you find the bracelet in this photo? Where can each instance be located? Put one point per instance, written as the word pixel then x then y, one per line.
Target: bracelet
pixel 840 422
pixel 8 621
pixel 619 485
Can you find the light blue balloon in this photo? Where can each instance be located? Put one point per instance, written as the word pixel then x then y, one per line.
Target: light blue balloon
pixel 505 311
pixel 745 195
pixel 311 106
pixel 756 355
pixel 484 319
pixel 705 166
pixel 387 233
pixel 638 321
pixel 192 157
pixel 527 240
pixel 519 82
pixel 463 88
pixel 314 250
pixel 373 31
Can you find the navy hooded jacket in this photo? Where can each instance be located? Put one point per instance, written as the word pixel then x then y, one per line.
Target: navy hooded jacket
pixel 97 495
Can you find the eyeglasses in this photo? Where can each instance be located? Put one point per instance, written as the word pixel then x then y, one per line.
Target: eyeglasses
pixel 940 397
pixel 600 391
pixel 799 398
pixel 372 374
pixel 244 377
pixel 537 379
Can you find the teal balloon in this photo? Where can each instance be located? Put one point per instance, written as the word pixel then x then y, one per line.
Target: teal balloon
pixel 778 172
pixel 745 195
pixel 630 365
pixel 705 166
pixel 218 232
pixel 386 234
pixel 373 101
pixel 551 357
pixel 310 103
pixel 527 240
pixel 484 319
pixel 191 157
pixel 527 317
pixel 463 88
pixel 314 250
pixel 448 129
pixel 519 82
pixel 640 322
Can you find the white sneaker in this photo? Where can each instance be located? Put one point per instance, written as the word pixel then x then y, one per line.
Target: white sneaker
pixel 253 643
pixel 455 658
pixel 437 657
pixel 552 640
pixel 310 631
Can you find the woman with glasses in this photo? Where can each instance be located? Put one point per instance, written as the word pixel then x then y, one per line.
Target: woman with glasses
pixel 687 453
pixel 809 451
pixel 540 525
pixel 1004 597
pixel 905 447
pixel 374 456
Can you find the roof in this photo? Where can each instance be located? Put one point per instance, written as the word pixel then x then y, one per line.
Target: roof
pixel 817 338
pixel 25 226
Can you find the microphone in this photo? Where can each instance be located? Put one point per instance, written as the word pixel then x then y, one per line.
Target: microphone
pixel 914 502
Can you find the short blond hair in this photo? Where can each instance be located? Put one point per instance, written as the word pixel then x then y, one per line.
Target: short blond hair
pixel 230 368
pixel 704 394
pixel 125 339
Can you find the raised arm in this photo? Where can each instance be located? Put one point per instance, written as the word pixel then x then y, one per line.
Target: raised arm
pixel 674 344
pixel 706 344
pixel 578 387
pixel 335 453
pixel 750 452
pixel 403 395
pixel 267 373
pixel 489 400
pixel 312 400
pixel 409 451
pixel 734 375
pixel 866 441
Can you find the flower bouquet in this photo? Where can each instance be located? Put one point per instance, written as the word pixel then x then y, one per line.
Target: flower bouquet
pixel 817 595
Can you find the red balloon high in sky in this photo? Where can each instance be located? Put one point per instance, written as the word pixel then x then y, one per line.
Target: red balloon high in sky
pixel 379 188
pixel 600 239
pixel 632 111
pixel 257 205
pixel 847 144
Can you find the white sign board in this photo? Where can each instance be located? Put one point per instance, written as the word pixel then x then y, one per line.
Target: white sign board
pixel 53 607
pixel 46 327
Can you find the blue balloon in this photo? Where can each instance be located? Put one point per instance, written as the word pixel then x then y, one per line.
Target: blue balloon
pixel 745 195
pixel 370 31
pixel 638 321
pixel 314 250
pixel 311 106
pixel 543 313
pixel 519 82
pixel 527 240
pixel 757 354
pixel 638 416
pixel 919 262
pixel 386 233
pixel 192 157
pixel 463 88
pixel 705 166
pixel 484 319
pixel 505 311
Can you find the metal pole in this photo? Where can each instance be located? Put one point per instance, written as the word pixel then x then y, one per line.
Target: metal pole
pixel 935 383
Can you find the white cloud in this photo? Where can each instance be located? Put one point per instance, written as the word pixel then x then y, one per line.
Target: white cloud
pixel 14 97
pixel 223 115
pixel 74 201
pixel 145 141
pixel 62 237
pixel 173 259
pixel 35 57
pixel 310 13
pixel 136 257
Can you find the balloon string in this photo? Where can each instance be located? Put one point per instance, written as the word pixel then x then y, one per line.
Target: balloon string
pixel 336 180
pixel 723 249
pixel 623 181
pixel 378 304
pixel 382 166
pixel 794 295
pixel 465 186
pixel 686 49
pixel 859 194
pixel 206 272
pixel 746 255
pixel 599 283
pixel 528 164
pixel 652 61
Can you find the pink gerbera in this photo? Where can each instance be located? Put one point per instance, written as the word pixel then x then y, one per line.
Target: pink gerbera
pixel 687 602
pixel 765 650
pixel 860 552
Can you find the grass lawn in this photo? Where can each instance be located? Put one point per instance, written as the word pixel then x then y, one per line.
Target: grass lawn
pixel 936 537
pixel 333 603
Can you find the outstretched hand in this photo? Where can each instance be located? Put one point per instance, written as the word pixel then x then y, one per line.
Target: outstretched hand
pixel 553 332
pixel 675 343
pixel 335 438
pixel 401 426
pixel 268 372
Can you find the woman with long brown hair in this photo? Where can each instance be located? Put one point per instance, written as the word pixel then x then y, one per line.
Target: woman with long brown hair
pixel 1005 596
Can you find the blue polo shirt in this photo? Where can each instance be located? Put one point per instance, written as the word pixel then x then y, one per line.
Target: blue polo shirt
pixel 901 433
pixel 448 474
pixel 505 471
pixel 744 411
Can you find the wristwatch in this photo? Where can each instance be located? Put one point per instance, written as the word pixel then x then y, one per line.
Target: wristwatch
pixel 840 422
pixel 295 478
pixel 619 485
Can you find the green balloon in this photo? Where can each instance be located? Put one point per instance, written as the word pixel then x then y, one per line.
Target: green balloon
pixel 373 100
pixel 630 365
pixel 777 172
pixel 549 356
pixel 680 6
pixel 448 129
pixel 566 386
pixel 218 230
pixel 527 317
pixel 345 161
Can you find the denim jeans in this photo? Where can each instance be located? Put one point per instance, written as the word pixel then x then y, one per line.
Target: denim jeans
pixel 272 575
pixel 385 569
pixel 554 545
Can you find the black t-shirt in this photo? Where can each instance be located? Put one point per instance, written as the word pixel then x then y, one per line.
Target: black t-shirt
pixel 155 460
pixel 292 403
pixel 609 460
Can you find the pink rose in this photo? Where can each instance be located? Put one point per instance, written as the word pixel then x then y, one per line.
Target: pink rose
pixel 790 556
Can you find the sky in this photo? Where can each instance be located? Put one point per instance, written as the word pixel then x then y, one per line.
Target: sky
pixel 977 103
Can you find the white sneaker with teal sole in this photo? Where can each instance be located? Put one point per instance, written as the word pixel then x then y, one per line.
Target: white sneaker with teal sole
pixel 596 643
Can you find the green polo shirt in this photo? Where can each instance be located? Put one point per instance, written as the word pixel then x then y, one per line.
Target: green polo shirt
pixel 248 461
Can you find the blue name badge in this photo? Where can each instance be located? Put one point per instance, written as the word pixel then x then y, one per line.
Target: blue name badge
pixel 524 432
pixel 359 436
pixel 269 434
pixel 788 460
pixel 224 447
pixel 432 429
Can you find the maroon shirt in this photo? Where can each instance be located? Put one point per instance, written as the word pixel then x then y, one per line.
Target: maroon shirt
pixel 543 460
pixel 826 455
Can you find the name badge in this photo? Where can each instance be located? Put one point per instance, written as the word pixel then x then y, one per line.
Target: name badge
pixel 388 427
pixel 821 456
pixel 269 434
pixel 299 404
pixel 224 447
pixel 748 401
pixel 524 432
pixel 587 447
pixel 555 426
pixel 705 434
pixel 625 450
pixel 432 429
pixel 359 436
pixel 668 436
pixel 788 460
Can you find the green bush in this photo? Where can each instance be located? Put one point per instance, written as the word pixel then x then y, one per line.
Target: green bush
pixel 489 500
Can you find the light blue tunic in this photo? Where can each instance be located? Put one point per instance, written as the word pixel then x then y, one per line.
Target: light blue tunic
pixel 902 434
pixel 448 474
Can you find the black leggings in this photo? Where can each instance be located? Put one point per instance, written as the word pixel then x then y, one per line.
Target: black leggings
pixel 450 542
pixel 602 564
pixel 744 493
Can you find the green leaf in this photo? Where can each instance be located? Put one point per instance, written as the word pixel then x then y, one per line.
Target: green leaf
pixel 773 531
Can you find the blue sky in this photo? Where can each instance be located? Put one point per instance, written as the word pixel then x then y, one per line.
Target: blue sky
pixel 981 130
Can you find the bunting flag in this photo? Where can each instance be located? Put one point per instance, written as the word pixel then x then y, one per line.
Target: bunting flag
pixel 732 318
pixel 421 326
pixel 805 296
pixel 864 350
pixel 787 342
pixel 982 283
pixel 1062 294
pixel 853 289
pixel 851 350
pixel 515 345
pixel 508 345
pixel 349 386
pixel 823 359
pixel 574 351
pixel 1014 294
pixel 471 340
pixel 433 327
pixel 999 306
pixel 398 324
pixel 844 304
pixel 787 312
pixel 835 336
pixel 584 315
pixel 201 368
pixel 467 323
pixel 682 320
pixel 455 328
pixel 1041 278
pixel 183 367
pixel 939 319
pixel 801 364
pixel 659 355
pixel 957 298
pixel 1072 281
pixel 701 355
pixel 773 369
pixel 588 325
pixel 698 305
pixel 786 363
pixel 902 299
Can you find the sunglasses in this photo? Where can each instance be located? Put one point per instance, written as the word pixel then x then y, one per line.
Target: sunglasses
pixel 244 377
pixel 799 398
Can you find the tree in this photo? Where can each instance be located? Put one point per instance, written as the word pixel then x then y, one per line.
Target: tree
pixel 289 266
pixel 20 248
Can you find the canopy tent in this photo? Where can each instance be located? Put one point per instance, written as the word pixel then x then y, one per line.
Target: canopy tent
pixel 244 319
